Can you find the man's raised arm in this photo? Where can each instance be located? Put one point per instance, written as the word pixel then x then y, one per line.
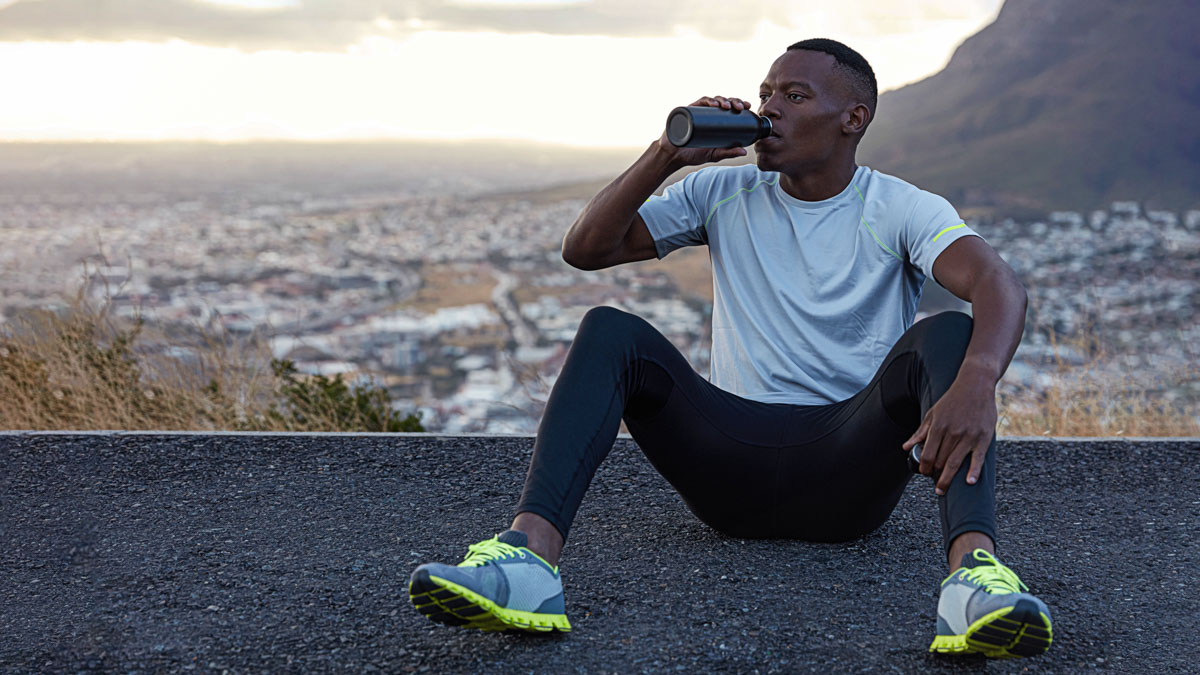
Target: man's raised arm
pixel 609 230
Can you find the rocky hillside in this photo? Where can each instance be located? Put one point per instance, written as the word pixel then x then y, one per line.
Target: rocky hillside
pixel 1056 104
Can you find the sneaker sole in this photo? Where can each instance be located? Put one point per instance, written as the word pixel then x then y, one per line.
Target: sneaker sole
pixel 446 602
pixel 1010 632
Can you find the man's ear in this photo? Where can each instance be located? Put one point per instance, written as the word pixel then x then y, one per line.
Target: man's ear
pixel 856 118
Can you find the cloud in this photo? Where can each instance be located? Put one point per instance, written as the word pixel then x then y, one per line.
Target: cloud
pixel 333 25
pixel 887 18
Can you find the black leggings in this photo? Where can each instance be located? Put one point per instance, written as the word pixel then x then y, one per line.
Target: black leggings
pixel 754 470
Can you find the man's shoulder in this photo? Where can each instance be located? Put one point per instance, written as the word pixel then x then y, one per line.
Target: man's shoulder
pixel 886 187
pixel 893 200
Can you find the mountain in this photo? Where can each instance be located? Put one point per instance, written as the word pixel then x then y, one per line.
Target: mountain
pixel 1056 104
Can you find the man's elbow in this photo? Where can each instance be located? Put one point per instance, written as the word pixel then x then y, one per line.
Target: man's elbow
pixel 574 253
pixel 577 260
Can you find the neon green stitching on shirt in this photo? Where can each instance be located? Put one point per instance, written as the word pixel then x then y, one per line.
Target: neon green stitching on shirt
pixel 952 227
pixel 873 235
pixel 718 204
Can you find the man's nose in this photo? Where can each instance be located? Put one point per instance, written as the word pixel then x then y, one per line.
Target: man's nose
pixel 767 108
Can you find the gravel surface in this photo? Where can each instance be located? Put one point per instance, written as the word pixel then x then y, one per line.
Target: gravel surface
pixel 152 552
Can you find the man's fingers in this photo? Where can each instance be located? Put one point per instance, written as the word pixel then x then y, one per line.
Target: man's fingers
pixel 722 102
pixel 954 453
pixel 933 441
pixel 728 153
pixel 977 459
pixel 974 452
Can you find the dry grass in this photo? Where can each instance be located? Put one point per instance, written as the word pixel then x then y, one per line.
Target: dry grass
pixel 1087 390
pixel 83 368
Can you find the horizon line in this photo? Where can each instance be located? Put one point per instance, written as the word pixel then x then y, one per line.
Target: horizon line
pixel 312 141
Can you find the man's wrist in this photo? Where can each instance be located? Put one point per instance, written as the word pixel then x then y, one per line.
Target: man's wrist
pixel 663 160
pixel 980 371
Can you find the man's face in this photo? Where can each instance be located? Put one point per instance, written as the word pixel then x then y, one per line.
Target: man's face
pixel 805 100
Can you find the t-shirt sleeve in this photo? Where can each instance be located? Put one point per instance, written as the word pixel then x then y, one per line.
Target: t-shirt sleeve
pixel 676 217
pixel 932 225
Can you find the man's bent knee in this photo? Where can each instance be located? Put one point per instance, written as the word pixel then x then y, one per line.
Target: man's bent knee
pixel 610 326
pixel 609 321
pixel 951 322
pixel 942 337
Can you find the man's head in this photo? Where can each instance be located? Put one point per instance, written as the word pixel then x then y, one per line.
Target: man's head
pixel 820 96
pixel 850 66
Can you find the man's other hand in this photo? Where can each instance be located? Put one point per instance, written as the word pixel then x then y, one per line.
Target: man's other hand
pixel 693 156
pixel 961 424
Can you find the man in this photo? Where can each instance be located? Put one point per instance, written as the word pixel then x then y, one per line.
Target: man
pixel 821 383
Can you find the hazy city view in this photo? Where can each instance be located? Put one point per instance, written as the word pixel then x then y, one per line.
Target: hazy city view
pixel 435 270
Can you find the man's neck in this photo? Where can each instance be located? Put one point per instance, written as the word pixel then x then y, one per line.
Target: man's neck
pixel 816 186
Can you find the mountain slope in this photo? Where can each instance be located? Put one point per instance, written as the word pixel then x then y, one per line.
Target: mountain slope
pixel 1056 104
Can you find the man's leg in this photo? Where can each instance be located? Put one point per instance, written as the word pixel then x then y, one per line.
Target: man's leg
pixel 964 544
pixel 918 370
pixel 715 447
pixel 544 539
pixel 983 606
pixel 820 473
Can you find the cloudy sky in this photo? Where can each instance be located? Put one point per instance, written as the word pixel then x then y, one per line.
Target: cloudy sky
pixel 583 72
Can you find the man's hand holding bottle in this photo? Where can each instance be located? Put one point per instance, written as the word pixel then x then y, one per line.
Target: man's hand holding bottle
pixel 693 156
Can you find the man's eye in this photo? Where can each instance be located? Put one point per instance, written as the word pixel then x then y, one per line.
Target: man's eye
pixel 764 97
pixel 795 97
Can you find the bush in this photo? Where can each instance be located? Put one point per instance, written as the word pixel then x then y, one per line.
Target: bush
pixel 78 371
pixel 320 403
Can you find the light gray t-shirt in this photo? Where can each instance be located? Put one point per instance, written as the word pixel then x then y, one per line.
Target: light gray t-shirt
pixel 808 297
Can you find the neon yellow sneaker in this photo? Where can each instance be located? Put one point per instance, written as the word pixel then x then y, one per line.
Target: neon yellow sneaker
pixel 983 611
pixel 501 584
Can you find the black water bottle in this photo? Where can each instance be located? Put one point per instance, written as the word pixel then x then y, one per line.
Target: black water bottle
pixel 704 127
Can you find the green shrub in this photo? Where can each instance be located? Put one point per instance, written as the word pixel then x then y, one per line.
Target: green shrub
pixel 319 403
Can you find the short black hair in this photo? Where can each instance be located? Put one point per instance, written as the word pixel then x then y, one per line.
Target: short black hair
pixel 852 64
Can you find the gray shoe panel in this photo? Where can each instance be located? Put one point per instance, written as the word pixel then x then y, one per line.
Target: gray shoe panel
pixel 954 605
pixel 530 584
pixel 943 628
pixel 985 603
pixel 486 580
pixel 555 605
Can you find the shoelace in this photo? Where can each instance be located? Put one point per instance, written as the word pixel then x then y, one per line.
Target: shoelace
pixel 995 578
pixel 486 551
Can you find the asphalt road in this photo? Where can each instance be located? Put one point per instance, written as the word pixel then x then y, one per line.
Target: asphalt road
pixel 135 552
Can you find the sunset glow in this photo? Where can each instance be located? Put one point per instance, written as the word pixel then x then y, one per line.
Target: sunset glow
pixel 597 90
